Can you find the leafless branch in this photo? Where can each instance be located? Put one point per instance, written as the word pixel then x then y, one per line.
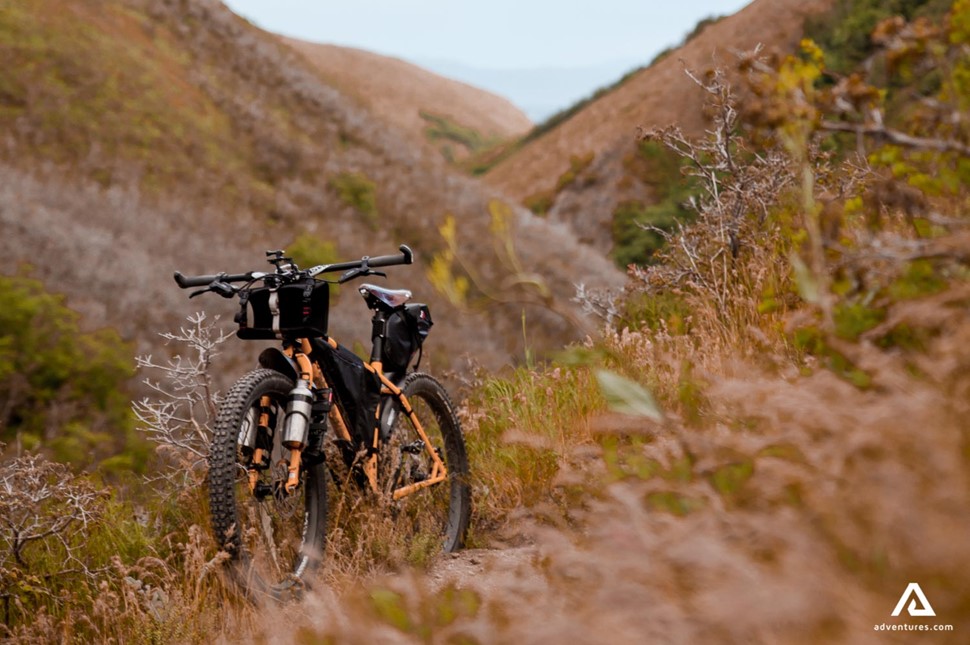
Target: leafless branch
pixel 895 136
pixel 184 404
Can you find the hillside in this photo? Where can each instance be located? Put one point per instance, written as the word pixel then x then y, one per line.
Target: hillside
pixel 657 96
pixel 767 443
pixel 143 137
pixel 444 115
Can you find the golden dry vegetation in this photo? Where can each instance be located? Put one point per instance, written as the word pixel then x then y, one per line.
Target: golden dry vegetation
pixel 765 440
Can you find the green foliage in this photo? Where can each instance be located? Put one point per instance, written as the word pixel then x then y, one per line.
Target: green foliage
pixel 524 423
pixel 852 319
pixel 811 340
pixel 665 311
pixel 484 160
pixel 844 32
pixel 64 74
pixel 63 540
pixel 729 479
pixel 540 202
pixel 660 169
pixel 108 89
pixel 577 164
pixel 62 388
pixel 430 614
pixel 441 128
pixel 356 190
pixel 673 503
pixel 920 278
pixel 309 250
pixel 634 244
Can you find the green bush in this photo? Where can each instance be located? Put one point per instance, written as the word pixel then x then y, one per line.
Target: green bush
pixel 309 250
pixel 660 169
pixel 441 128
pixel 632 243
pixel 61 388
pixel 359 192
pixel 844 32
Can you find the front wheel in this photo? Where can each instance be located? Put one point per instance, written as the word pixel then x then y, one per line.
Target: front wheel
pixel 431 517
pixel 274 538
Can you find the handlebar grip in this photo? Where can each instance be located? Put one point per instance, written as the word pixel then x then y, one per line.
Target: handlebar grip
pixel 205 280
pixel 193 281
pixel 406 257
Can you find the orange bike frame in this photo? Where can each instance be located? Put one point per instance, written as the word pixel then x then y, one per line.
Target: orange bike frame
pixel 309 370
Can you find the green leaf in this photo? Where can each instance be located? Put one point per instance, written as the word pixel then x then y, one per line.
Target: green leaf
pixel 389 605
pixel 804 280
pixel 626 396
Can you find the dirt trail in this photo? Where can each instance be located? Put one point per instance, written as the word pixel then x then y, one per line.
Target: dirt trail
pixel 506 569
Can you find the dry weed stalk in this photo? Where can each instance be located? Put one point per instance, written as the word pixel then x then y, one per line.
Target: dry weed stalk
pixel 727 253
pixel 178 419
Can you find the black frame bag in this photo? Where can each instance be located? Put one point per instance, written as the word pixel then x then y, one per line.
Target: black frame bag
pixel 356 388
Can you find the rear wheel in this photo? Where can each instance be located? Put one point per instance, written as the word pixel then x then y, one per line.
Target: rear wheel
pixel 435 517
pixel 275 539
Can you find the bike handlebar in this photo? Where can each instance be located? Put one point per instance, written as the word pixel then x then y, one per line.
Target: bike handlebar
pixel 186 282
pixel 406 257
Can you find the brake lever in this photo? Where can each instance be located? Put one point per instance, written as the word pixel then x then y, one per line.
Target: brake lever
pixel 224 289
pixel 349 275
pixel 359 273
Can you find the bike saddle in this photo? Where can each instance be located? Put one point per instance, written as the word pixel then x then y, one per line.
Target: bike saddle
pixel 391 297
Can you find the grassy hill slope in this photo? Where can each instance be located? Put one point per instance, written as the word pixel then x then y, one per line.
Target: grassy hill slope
pixel 603 134
pixel 443 114
pixel 142 137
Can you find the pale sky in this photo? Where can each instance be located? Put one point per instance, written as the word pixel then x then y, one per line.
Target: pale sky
pixel 446 35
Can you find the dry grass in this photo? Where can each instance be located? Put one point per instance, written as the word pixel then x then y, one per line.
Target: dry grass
pixel 795 509
pixel 810 461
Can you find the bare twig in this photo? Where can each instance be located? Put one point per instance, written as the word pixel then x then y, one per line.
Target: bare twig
pixel 184 404
pixel 895 136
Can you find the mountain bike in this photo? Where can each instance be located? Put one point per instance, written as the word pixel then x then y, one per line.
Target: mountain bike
pixel 396 432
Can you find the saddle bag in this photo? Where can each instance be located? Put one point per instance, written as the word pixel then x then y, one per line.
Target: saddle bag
pixel 404 335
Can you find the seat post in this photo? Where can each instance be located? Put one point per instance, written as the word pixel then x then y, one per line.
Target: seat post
pixel 378 332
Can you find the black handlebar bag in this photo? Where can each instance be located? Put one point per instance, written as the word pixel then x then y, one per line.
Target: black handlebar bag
pixel 298 310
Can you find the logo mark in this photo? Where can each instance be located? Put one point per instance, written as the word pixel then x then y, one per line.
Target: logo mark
pixel 925 608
